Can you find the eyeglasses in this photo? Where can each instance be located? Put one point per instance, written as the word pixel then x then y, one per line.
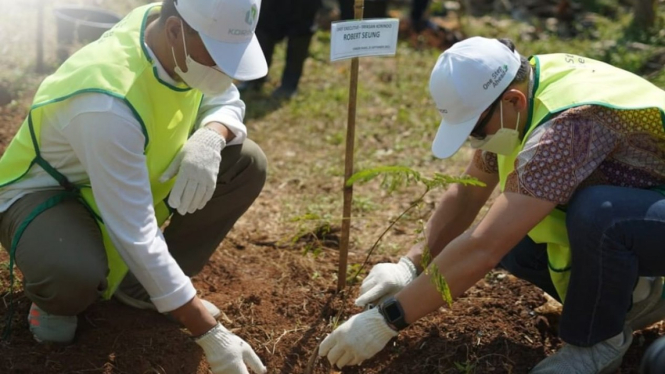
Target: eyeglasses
pixel 477 131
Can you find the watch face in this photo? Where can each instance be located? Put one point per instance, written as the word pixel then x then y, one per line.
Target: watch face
pixel 392 311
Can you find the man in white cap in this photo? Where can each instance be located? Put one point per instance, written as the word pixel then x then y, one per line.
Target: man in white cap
pixel 141 126
pixel 578 149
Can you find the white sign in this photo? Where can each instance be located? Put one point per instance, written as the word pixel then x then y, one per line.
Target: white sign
pixel 372 37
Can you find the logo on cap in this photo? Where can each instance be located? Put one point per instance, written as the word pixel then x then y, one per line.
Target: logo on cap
pixel 497 76
pixel 250 17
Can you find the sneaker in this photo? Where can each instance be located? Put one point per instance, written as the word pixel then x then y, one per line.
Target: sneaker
pixel 49 328
pixel 140 304
pixel 602 358
pixel 648 311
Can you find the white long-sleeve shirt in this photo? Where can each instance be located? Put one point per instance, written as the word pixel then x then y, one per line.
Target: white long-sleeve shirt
pixel 95 137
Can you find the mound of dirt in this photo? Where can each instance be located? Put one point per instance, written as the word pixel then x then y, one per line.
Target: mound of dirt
pixel 281 302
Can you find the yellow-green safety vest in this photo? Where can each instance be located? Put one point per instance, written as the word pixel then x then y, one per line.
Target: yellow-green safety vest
pixel 564 81
pixel 118 65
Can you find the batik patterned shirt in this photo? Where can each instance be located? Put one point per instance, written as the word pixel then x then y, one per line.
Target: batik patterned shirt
pixel 585 146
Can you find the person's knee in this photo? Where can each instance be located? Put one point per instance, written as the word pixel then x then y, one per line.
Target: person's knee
pixel 254 167
pixel 590 211
pixel 67 290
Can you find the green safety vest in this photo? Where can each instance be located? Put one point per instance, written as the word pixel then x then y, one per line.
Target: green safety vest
pixel 118 65
pixel 564 81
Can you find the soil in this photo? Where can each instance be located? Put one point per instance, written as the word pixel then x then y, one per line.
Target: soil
pixel 281 301
pixel 273 301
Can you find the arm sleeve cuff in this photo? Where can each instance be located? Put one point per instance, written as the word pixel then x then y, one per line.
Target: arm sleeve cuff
pixel 233 124
pixel 175 299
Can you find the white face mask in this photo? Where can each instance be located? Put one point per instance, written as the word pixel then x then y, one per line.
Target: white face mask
pixel 504 142
pixel 209 80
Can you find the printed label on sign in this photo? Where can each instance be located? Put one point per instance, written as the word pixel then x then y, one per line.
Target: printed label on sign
pixel 372 37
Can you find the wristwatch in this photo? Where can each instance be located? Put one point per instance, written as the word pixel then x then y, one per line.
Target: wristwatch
pixel 392 312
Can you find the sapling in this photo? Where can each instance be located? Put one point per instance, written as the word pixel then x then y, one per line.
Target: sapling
pixel 393 178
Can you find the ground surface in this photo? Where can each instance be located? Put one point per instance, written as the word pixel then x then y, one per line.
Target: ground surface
pixel 274 303
pixel 281 300
pixel 275 275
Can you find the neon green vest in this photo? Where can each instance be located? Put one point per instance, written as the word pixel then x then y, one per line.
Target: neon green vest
pixel 564 81
pixel 117 65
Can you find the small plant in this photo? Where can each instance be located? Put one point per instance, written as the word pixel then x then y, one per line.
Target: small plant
pixel 316 232
pixel 350 273
pixel 435 275
pixel 392 178
pixel 465 367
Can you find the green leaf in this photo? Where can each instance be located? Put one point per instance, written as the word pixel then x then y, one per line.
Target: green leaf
pixel 392 176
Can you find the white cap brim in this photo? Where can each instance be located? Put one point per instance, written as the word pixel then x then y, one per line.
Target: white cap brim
pixel 450 137
pixel 241 61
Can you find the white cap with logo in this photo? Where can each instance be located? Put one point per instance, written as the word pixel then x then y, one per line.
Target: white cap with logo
pixel 227 30
pixel 465 81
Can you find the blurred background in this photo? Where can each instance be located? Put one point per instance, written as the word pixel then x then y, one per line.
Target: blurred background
pixel 628 33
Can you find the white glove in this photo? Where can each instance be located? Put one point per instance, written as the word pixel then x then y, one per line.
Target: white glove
pixel 227 353
pixel 385 280
pixel 197 166
pixel 357 339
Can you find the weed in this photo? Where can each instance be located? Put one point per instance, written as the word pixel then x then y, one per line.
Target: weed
pixel 465 367
pixel 316 232
pixel 351 271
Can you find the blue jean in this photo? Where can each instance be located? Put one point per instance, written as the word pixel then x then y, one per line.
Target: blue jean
pixel 616 234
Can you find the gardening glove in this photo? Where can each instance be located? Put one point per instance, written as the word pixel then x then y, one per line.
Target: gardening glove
pixel 227 353
pixel 385 280
pixel 357 339
pixel 197 166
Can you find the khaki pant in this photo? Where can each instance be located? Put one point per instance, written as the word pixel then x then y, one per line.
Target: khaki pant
pixel 62 257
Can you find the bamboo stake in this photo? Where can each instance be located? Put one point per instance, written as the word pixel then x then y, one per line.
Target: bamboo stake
pixel 348 165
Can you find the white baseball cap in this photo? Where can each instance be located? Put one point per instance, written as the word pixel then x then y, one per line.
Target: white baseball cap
pixel 466 80
pixel 227 30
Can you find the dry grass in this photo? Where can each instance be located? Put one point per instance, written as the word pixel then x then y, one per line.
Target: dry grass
pixel 304 138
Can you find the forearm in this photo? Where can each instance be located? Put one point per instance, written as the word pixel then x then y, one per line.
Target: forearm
pixel 473 254
pixel 110 147
pixel 194 316
pixel 460 265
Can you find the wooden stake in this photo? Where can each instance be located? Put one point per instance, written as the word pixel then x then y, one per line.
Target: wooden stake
pixel 348 162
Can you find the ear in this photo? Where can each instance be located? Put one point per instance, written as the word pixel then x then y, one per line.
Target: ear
pixel 517 98
pixel 173 30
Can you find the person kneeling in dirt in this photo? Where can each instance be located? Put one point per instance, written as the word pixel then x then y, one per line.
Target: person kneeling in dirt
pixel 578 149
pixel 105 155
